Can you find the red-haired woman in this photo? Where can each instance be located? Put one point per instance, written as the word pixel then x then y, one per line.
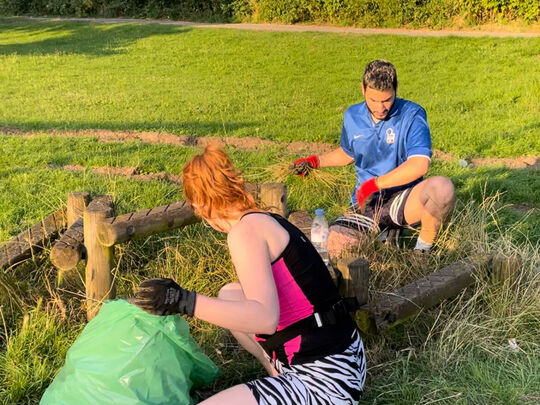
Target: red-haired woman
pixel 285 309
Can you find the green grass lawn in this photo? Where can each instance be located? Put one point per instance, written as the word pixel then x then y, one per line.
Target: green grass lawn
pixel 481 95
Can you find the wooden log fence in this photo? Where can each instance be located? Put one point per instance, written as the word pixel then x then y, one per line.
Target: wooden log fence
pixel 69 249
pixel 97 231
pixel 32 240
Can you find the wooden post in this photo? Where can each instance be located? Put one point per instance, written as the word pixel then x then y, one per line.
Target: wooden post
pixel 100 262
pixel 504 268
pixel 76 204
pixel 302 220
pixel 355 282
pixel 254 189
pixel 274 197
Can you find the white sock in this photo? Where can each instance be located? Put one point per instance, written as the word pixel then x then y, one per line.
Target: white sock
pixel 421 245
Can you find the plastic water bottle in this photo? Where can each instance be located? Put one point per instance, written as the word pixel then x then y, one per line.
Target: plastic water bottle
pixel 319 234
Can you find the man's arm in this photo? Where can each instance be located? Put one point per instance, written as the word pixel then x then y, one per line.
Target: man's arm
pixel 410 170
pixel 337 157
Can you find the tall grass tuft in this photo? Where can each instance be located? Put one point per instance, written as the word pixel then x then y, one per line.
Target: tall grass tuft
pixel 480 347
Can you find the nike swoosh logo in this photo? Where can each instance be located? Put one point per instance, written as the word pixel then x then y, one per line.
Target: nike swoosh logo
pixel 358 136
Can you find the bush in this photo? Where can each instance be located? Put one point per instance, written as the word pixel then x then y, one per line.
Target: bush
pixel 395 12
pixel 195 9
pixel 367 13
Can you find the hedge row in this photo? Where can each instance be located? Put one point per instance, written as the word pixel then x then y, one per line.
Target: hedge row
pixel 367 13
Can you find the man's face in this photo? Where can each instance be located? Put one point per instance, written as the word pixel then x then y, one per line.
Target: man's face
pixel 378 102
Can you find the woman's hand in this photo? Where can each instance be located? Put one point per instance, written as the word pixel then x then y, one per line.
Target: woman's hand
pixel 163 296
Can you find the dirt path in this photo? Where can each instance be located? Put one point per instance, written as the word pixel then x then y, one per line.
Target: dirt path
pixel 305 28
pixel 134 174
pixel 251 144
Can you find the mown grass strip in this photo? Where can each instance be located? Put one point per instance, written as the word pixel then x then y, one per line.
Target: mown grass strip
pixel 479 93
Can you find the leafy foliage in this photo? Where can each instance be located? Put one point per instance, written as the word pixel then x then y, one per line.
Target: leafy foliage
pixel 369 13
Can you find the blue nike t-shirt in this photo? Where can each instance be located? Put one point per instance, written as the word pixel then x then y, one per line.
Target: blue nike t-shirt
pixel 378 148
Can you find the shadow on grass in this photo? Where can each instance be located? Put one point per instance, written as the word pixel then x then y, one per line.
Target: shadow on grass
pixel 76 37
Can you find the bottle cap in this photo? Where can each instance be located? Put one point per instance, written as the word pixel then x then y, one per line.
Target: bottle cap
pixel 319 211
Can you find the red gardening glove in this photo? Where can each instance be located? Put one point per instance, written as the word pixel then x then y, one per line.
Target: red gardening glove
pixel 302 167
pixel 366 189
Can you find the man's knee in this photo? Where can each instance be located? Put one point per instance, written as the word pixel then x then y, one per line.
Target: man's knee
pixel 342 240
pixel 441 190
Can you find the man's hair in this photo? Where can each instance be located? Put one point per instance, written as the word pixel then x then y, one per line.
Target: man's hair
pixel 214 186
pixel 380 75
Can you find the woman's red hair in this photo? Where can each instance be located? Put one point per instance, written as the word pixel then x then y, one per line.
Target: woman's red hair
pixel 214 187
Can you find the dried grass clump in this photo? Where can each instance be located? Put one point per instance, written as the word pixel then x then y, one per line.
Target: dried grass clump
pixel 320 181
pixel 280 172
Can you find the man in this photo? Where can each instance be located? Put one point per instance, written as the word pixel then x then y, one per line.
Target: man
pixel 389 141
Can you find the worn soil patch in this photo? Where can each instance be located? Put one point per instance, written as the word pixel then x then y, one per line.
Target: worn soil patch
pixel 522 162
pixel 164 138
pixel 251 144
pixel 133 173
pixel 523 209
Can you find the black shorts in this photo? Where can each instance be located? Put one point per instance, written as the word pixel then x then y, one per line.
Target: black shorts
pixel 386 211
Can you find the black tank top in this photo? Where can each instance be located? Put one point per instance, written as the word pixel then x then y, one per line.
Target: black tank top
pixel 304 286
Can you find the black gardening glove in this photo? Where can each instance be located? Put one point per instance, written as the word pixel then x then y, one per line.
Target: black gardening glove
pixel 162 296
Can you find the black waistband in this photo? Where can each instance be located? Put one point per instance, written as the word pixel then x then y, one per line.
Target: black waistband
pixel 338 313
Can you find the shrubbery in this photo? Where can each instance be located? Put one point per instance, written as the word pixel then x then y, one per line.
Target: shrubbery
pixel 394 13
pixel 367 13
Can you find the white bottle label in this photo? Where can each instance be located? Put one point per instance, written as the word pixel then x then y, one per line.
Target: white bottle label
pixel 319 235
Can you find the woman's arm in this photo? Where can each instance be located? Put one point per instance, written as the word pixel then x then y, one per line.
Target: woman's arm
pixel 259 312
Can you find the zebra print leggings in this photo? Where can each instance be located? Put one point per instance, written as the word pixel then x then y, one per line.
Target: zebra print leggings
pixel 337 379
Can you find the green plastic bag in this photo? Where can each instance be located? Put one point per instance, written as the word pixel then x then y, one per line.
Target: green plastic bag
pixel 125 356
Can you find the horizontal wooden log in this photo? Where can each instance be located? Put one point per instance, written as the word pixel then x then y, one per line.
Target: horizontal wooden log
pixel 69 249
pixel 424 293
pixel 145 222
pixel 31 241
